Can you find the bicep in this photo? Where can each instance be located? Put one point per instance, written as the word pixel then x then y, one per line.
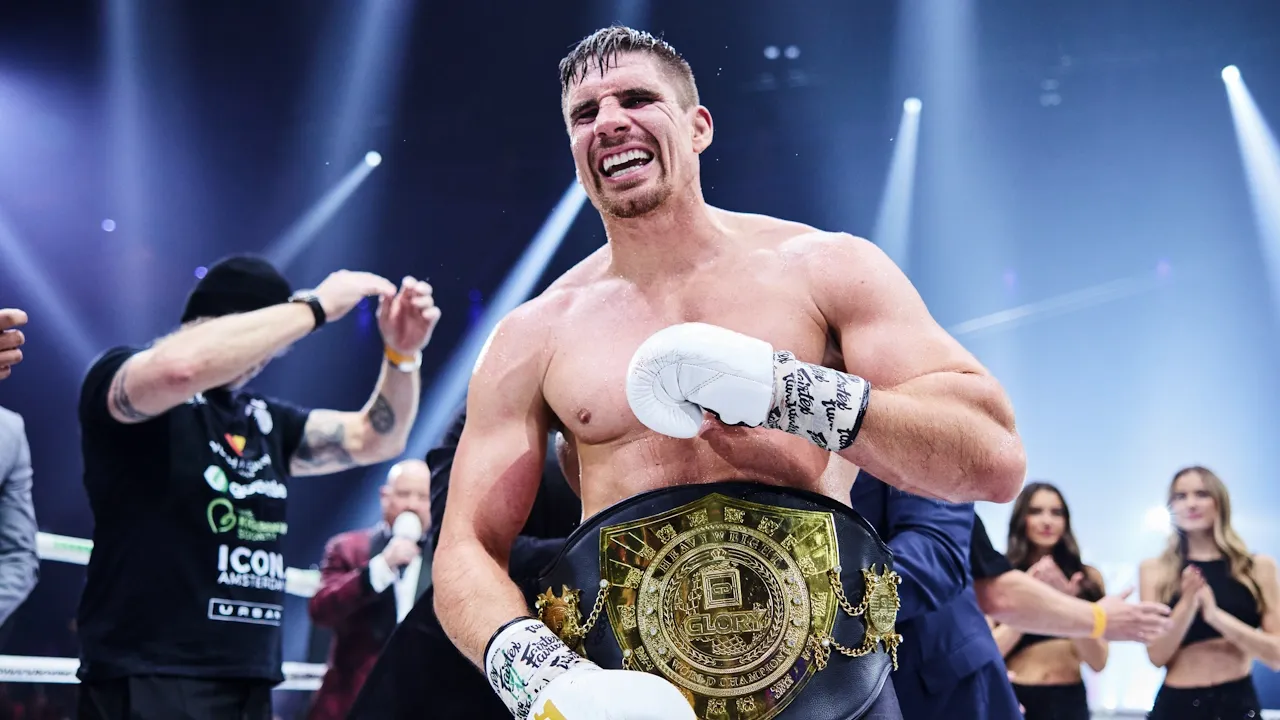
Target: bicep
pixel 886 332
pixel 500 457
pixel 495 479
pixel 330 443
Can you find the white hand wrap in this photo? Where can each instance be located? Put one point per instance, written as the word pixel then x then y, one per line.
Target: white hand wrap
pixel 522 659
pixel 824 405
pixel 682 370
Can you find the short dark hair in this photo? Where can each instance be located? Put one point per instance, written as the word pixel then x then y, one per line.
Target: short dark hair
pixel 600 51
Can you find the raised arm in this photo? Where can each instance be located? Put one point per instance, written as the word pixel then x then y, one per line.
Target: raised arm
pixel 495 478
pixel 1162 649
pixel 936 421
pixel 334 440
pixel 213 353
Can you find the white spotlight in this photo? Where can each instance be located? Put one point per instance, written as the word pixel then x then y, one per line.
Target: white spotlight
pixel 771 52
pixel 912 105
pixel 373 158
pixel 1231 73
pixel 1157 519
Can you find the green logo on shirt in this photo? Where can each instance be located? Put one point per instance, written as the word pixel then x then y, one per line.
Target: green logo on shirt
pixel 225 517
pixel 216 478
pixel 221 514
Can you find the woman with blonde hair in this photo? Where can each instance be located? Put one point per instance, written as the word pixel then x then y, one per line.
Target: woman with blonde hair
pixel 1046 670
pixel 1226 607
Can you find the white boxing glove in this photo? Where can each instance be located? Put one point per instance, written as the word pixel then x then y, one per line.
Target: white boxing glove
pixel 540 678
pixel 589 693
pixel 682 370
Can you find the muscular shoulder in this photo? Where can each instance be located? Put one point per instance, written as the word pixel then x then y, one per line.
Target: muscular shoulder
pixel 518 336
pixel 827 255
pixel 851 280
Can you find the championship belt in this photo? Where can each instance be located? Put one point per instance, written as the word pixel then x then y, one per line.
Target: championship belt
pixel 737 593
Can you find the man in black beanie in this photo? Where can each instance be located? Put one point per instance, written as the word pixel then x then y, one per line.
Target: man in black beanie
pixel 188 476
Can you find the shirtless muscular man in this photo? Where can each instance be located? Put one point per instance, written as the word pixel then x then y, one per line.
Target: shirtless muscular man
pixel 706 365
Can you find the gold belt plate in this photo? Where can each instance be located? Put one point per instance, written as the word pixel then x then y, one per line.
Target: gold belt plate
pixel 724 598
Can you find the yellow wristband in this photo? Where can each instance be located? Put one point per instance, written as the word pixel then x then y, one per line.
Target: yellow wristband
pixel 406 363
pixel 1099 622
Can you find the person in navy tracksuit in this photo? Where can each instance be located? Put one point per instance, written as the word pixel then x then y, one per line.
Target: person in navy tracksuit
pixel 948 663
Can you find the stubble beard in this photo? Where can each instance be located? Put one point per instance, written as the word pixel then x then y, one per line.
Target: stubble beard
pixel 634 204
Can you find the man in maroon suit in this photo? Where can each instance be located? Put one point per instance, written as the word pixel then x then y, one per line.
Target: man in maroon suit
pixel 369 581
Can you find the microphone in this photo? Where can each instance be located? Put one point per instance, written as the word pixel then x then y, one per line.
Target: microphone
pixel 408 526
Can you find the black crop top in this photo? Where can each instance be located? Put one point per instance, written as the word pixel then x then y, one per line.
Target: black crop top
pixel 1027 641
pixel 1231 595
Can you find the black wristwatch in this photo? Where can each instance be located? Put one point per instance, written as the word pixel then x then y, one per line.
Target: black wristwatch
pixel 317 310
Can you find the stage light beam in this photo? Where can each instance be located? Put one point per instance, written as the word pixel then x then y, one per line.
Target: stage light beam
pixel 892 230
pixel 1231 74
pixel 447 392
pixel 286 248
pixel 1260 156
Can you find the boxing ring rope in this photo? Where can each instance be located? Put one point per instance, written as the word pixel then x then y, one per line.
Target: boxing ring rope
pixel 73 550
pixel 62 671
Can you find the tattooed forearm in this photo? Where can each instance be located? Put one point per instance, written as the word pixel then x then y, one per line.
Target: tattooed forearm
pixel 323 446
pixel 119 399
pixel 381 416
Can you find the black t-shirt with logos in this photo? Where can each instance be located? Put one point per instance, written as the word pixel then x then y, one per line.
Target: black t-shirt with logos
pixel 187 574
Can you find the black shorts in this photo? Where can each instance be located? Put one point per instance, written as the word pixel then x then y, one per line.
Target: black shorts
pixel 1235 700
pixel 1053 702
pixel 159 697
